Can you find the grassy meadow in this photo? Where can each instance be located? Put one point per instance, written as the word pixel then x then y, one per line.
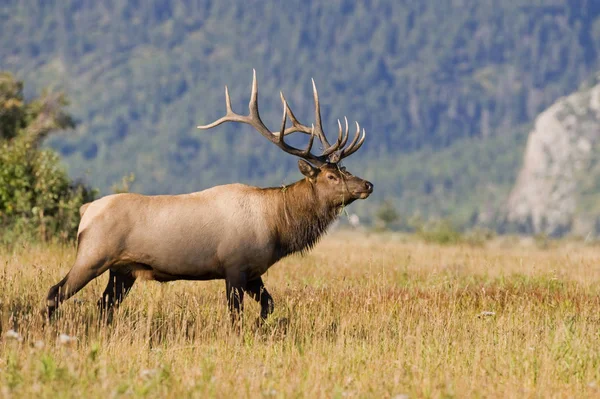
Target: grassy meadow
pixel 363 315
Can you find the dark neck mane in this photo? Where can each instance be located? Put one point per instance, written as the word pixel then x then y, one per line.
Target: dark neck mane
pixel 300 218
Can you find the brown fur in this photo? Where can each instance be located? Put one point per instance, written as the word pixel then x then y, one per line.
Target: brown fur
pixel 299 219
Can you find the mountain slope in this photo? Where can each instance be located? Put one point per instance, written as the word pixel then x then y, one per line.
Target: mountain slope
pixel 420 76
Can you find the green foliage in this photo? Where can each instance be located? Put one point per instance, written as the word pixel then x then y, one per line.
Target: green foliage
pixel 11 111
pixel 36 118
pixel 478 236
pixel 439 232
pixel 125 185
pixel 445 232
pixel 13 371
pixel 466 183
pixel 37 198
pixel 542 240
pixel 386 215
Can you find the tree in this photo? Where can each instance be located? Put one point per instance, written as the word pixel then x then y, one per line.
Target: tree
pixel 37 198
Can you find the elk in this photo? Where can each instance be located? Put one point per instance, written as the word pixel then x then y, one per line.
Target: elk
pixel 233 232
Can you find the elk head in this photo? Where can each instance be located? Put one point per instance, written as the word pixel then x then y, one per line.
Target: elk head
pixel 331 181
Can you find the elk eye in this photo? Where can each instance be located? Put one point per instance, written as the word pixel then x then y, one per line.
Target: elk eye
pixel 331 177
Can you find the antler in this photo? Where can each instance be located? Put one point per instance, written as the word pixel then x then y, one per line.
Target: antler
pixel 335 152
pixel 331 153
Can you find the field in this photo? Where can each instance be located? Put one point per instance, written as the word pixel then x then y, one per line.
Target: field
pixel 363 315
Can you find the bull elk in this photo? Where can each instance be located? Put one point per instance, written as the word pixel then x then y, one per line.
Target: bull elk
pixel 233 232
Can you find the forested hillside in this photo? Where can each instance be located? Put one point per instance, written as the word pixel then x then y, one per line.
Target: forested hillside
pixel 446 90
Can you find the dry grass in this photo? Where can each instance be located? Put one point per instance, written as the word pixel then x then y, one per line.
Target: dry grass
pixel 362 316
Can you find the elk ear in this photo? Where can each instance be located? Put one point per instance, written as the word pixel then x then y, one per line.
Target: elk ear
pixel 307 169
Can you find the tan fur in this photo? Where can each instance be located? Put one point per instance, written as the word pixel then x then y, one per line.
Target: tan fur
pixel 220 232
pixel 199 234
pixel 235 232
pixel 83 208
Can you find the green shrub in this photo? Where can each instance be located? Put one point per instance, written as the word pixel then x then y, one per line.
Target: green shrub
pixel 478 236
pixel 439 232
pixel 385 216
pixel 38 200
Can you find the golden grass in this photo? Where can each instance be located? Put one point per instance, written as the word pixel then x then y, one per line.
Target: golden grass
pixel 361 316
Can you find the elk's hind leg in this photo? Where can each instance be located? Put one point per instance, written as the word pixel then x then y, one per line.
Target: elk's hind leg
pixel 82 273
pixel 119 285
pixel 256 289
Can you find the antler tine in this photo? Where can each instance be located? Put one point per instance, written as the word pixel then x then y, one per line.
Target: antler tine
pixel 320 132
pixel 318 127
pixel 301 153
pixel 347 135
pixel 340 137
pixel 297 126
pixel 345 140
pixel 283 123
pixel 252 119
pixel 354 145
pixel 230 116
pixel 345 151
pixel 228 101
pixel 337 145
pixel 310 141
pixel 253 105
pixel 342 140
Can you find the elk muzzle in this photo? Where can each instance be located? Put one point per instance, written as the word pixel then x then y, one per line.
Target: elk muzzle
pixel 359 188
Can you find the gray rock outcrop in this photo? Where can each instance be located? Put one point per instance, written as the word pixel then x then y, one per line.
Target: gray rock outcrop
pixel 559 152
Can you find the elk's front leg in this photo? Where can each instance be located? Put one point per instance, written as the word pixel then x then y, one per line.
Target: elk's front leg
pixel 236 284
pixel 256 289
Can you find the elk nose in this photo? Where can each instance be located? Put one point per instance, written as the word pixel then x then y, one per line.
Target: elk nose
pixel 369 186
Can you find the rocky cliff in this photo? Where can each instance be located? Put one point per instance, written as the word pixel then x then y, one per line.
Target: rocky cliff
pixel 557 190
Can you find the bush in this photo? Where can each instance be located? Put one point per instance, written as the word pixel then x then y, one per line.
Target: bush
pixel 386 216
pixel 440 231
pixel 444 232
pixel 477 237
pixel 37 198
